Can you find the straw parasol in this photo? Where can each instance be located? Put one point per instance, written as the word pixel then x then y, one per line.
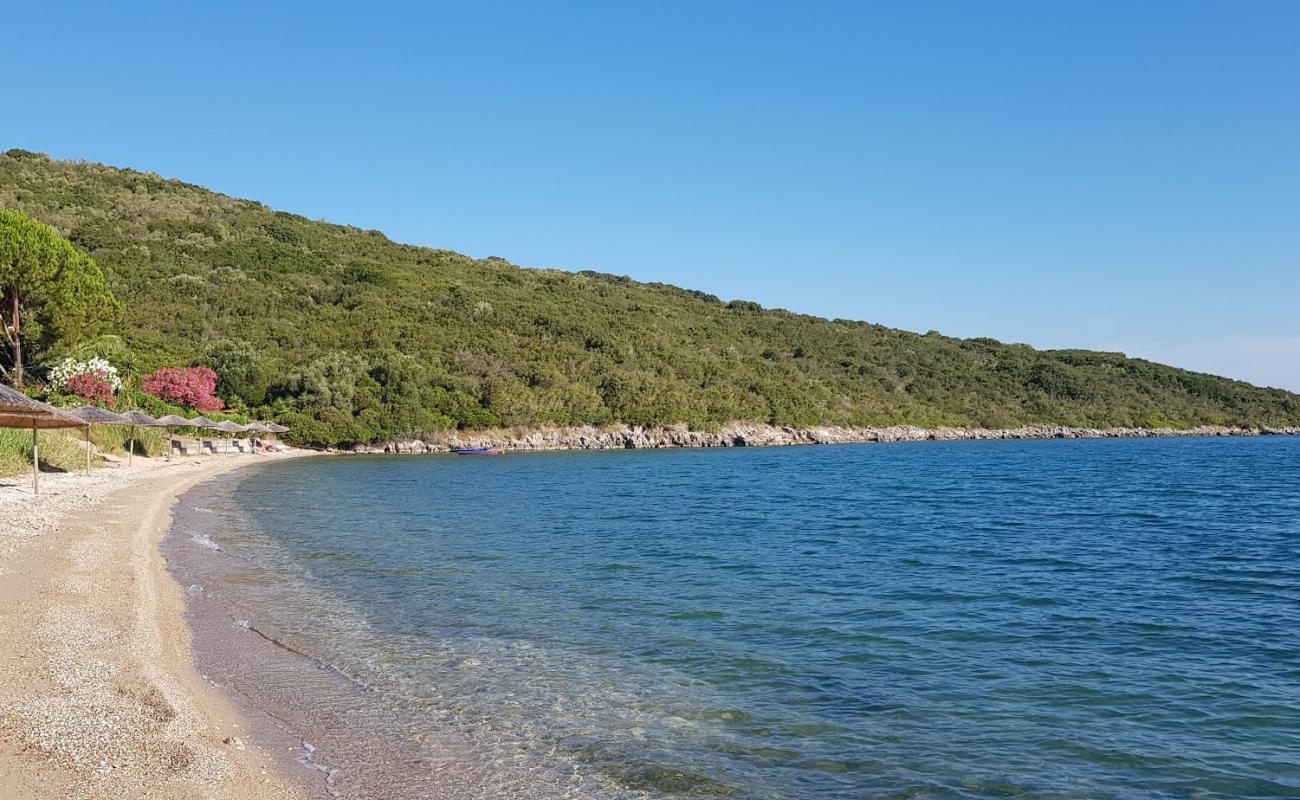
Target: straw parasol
pixel 17 410
pixel 257 427
pixel 228 426
pixel 202 422
pixel 97 416
pixel 275 427
pixel 135 418
pixel 169 422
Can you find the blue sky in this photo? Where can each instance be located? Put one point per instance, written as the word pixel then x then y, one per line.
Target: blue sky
pixel 1123 176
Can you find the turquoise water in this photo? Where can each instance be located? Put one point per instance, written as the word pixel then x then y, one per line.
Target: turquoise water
pixel 1062 619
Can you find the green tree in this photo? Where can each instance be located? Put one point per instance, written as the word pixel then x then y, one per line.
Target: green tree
pixel 52 293
pixel 329 382
pixel 240 373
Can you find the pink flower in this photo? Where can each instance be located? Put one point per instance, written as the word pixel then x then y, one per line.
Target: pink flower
pixel 92 387
pixel 189 387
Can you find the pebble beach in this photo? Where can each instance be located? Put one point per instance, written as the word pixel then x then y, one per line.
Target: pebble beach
pixel 99 697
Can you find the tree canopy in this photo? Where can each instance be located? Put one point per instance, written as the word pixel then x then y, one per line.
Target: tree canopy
pixel 348 336
pixel 53 293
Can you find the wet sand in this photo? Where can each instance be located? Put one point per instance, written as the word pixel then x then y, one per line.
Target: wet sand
pixel 99 696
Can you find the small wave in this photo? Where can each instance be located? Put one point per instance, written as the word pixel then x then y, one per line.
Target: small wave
pixel 308 759
pixel 202 540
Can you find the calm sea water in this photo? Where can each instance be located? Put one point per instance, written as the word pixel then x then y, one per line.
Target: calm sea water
pixel 1065 619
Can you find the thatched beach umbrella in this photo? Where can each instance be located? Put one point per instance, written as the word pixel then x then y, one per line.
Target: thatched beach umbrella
pixel 170 422
pixel 96 416
pixel 257 427
pixel 17 410
pixel 275 427
pixel 135 418
pixel 202 422
pixel 228 426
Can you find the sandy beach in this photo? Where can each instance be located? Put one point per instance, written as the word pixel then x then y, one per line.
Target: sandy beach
pixel 99 697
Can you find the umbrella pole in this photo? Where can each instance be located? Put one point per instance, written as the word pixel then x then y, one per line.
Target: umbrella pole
pixel 130 453
pixel 87 449
pixel 36 461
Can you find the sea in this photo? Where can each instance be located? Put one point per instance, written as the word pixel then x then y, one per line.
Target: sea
pixel 1106 619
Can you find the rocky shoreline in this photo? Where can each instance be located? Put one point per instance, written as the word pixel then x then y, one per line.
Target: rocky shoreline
pixel 631 437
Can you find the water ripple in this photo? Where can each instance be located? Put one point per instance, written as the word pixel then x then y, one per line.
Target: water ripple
pixel 1094 619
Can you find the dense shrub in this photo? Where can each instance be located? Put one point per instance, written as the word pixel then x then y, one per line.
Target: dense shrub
pixel 92 387
pixel 241 378
pixel 93 381
pixel 188 387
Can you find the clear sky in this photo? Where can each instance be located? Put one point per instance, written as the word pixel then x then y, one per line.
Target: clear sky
pixel 1123 175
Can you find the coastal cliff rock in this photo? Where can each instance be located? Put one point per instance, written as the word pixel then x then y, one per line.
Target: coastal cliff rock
pixel 634 437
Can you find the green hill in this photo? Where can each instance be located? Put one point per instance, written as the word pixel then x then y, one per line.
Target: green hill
pixel 358 337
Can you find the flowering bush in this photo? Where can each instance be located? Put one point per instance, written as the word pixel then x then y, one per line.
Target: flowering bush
pixel 191 387
pixel 91 387
pixel 94 381
pixel 69 368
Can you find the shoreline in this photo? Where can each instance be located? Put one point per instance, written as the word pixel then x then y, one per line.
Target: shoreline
pixel 336 726
pixel 635 437
pixel 99 693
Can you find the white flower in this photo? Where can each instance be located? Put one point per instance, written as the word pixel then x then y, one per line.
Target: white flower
pixel 70 368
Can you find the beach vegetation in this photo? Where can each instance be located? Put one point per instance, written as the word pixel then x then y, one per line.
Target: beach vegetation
pixel 348 337
pixel 60 451
pixel 94 381
pixel 191 388
pixel 51 294
pixel 241 378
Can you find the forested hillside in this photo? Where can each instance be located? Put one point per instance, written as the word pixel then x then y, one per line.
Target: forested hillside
pixel 349 336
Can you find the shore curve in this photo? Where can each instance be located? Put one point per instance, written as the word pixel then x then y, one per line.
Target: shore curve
pixel 99 696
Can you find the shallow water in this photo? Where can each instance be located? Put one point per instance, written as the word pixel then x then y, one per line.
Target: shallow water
pixel 1060 619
